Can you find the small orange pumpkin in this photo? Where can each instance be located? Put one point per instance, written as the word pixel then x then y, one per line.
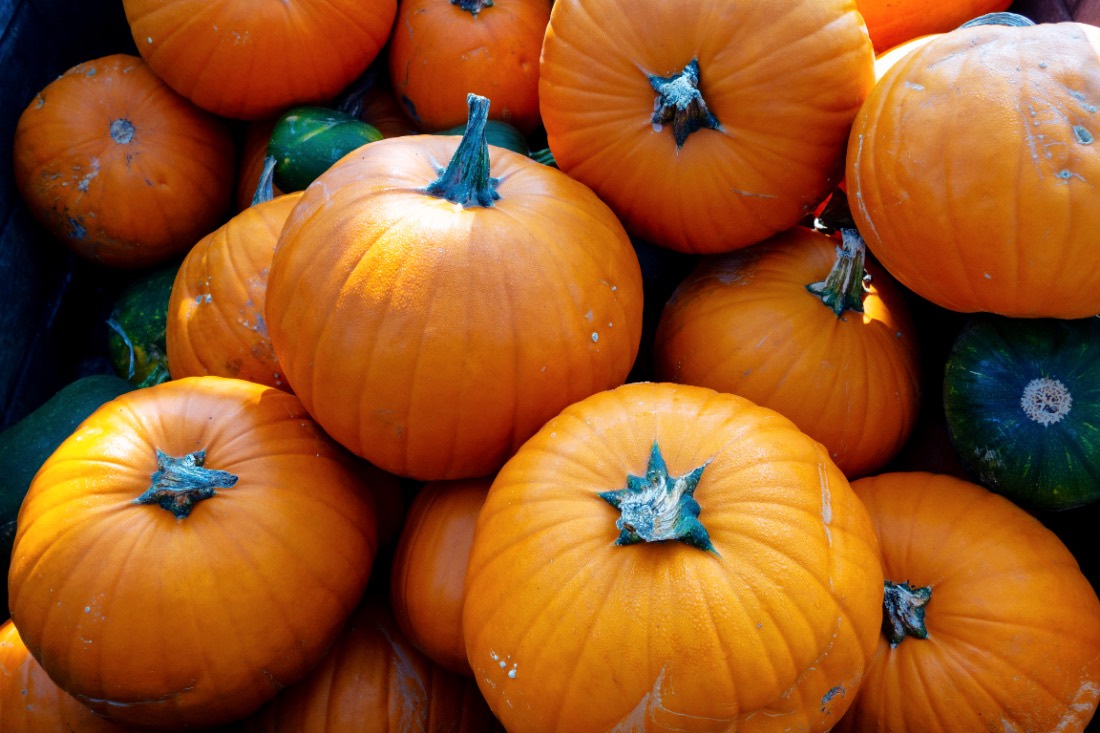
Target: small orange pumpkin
pixel 892 22
pixel 191 548
pixel 120 168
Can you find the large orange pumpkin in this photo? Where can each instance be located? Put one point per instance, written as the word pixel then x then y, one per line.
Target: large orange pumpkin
pixel 706 125
pixel 664 557
pixel 988 622
pixel 892 22
pixel 432 322
pixel 374 681
pixel 252 60
pixel 445 49
pixel 429 568
pixel 971 170
pixel 119 167
pixel 840 362
pixel 191 548
pixel 215 319
pixel 30 702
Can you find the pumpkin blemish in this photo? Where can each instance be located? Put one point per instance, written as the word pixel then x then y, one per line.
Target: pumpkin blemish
pixel 1082 134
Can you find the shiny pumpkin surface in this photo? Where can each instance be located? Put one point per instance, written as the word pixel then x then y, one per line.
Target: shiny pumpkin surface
pixel 783 79
pixel 441 51
pixel 161 622
pixel 118 167
pixel 1013 625
pixel 216 319
pixel 374 681
pixel 770 631
pixel 1010 105
pixel 892 22
pixel 433 339
pixel 429 568
pixel 250 60
pixel 745 323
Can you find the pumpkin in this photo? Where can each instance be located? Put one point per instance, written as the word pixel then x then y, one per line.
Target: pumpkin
pixel 374 681
pixel 253 61
pixel 445 49
pixel 118 167
pixel 988 622
pixel 307 139
pixel 137 324
pixel 987 102
pixel 427 586
pixel 1023 407
pixel 431 322
pixel 892 55
pixel 379 108
pixel 30 702
pixel 892 22
pixel 684 557
pixel 191 548
pixel 705 125
pixel 215 319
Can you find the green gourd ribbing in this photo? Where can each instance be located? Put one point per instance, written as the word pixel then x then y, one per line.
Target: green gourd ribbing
pixel 307 140
pixel 1022 401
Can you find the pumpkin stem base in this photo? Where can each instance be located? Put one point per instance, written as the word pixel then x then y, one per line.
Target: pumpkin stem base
pixel 180 483
pixel 466 180
pixel 903 612
pixel 845 285
pixel 680 102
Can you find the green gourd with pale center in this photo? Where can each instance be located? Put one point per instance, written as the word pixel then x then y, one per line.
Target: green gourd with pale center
pixel 1023 407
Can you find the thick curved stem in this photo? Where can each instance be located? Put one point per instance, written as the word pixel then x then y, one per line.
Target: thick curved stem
pixel 1012 19
pixel 180 483
pixel 265 188
pixel 680 103
pixel 466 180
pixel 903 612
pixel 843 288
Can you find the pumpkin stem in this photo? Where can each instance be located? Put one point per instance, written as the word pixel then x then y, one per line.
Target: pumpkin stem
pixel 180 483
pixel 903 612
pixel 658 507
pixel 473 7
pixel 265 188
pixel 680 102
pixel 1011 19
pixel 843 288
pixel 466 181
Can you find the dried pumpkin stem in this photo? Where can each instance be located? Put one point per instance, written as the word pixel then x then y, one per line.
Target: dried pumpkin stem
pixel 843 289
pixel 180 483
pixel 473 7
pixel 903 612
pixel 680 102
pixel 658 507
pixel 466 180
pixel 1012 19
pixel 265 188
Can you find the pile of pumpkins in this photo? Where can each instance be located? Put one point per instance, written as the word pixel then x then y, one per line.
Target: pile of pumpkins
pixel 530 366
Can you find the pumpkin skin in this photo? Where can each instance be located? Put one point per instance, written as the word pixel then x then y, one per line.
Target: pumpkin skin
pixel 446 49
pixel 429 568
pixel 665 635
pixel 374 681
pixel 1023 408
pixel 259 59
pixel 745 323
pixel 979 104
pixel 395 312
pixel 161 622
pixel 216 319
pixel 1013 626
pixel 892 22
pixel 118 167
pixel 30 702
pixel 783 80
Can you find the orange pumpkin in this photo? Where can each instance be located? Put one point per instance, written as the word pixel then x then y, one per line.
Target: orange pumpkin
pixel 380 108
pixel 250 61
pixel 120 168
pixel 374 681
pixel 705 125
pixel 1014 105
pixel 215 319
pixel 892 22
pixel 191 548
pixel 841 362
pixel 988 621
pixel 445 49
pixel 30 702
pixel 429 568
pixel 432 322
pixel 664 557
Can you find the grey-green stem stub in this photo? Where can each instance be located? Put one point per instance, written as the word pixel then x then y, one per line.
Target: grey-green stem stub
pixel 657 507
pixel 846 284
pixel 466 181
pixel 180 483
pixel 680 102
pixel 903 612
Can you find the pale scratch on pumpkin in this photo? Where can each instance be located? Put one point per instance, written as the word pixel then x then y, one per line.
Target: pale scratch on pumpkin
pixel 412 693
pixel 857 186
pixel 753 194
pixel 642 714
pixel 826 502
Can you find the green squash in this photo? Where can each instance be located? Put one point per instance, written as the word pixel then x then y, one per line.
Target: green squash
pixel 26 445
pixel 1022 400
pixel 138 326
pixel 307 140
